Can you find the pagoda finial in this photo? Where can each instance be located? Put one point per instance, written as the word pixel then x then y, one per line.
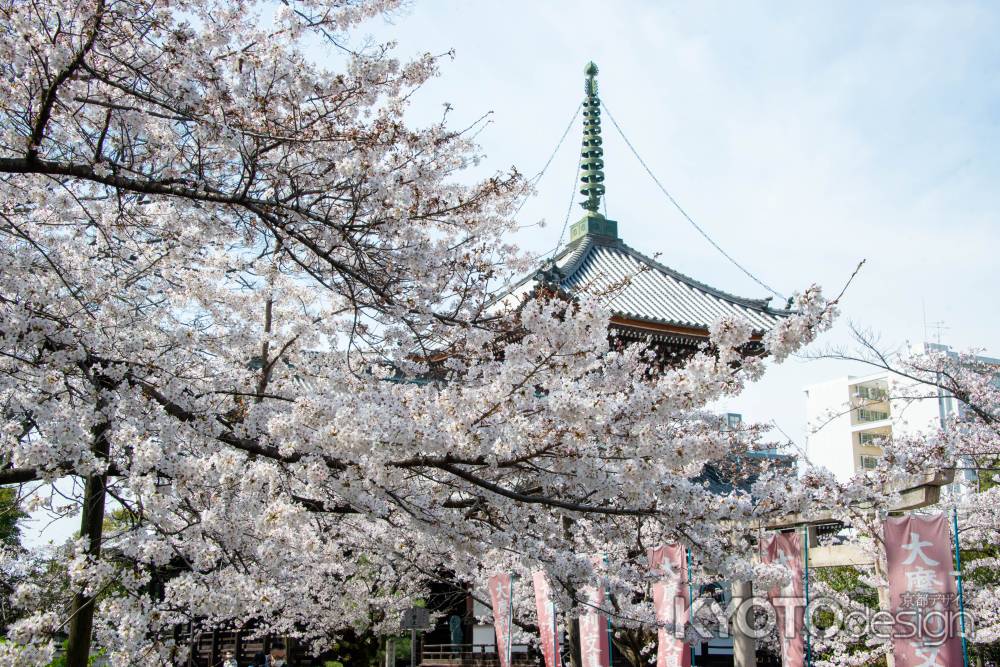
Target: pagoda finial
pixel 593 225
pixel 591 155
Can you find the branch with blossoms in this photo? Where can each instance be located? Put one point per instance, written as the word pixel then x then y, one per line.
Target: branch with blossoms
pixel 212 249
pixel 966 443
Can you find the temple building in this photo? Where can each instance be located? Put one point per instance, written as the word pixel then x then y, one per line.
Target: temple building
pixel 650 302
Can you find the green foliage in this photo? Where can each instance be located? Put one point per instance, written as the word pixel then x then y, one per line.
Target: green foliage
pixel 10 536
pixel 60 660
pixel 846 579
pixel 119 520
pixel 983 577
pixel 10 514
pixel 357 649
pixel 402 651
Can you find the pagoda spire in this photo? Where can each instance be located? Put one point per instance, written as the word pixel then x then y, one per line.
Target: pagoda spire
pixel 593 223
pixel 591 155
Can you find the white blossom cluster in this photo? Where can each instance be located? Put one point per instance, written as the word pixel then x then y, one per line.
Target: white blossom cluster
pixel 244 290
pixel 968 442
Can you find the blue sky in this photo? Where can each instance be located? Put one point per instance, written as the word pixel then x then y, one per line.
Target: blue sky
pixel 803 136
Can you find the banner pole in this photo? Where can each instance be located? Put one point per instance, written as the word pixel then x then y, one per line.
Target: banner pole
pixel 805 613
pixel 557 658
pixel 961 596
pixel 611 640
pixel 510 616
pixel 690 600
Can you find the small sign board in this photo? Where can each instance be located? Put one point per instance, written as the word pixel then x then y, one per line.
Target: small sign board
pixel 415 618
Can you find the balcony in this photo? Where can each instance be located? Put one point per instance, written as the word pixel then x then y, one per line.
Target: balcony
pixel 866 415
pixel 870 393
pixel 868 462
pixel 871 438
pixel 870 402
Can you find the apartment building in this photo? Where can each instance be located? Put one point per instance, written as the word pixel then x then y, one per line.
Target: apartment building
pixel 848 416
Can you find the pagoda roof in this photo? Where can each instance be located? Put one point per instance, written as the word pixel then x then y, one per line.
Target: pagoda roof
pixel 645 296
pixel 640 290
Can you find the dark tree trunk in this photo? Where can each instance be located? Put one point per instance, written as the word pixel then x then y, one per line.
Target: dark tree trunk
pixel 81 621
pixel 573 639
pixel 628 643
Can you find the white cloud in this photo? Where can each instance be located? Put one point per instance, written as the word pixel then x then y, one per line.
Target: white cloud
pixel 803 136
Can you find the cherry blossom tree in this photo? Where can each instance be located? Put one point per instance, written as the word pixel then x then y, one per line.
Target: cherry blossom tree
pixel 966 443
pixel 248 305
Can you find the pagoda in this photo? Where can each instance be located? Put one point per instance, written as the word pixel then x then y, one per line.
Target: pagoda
pixel 649 301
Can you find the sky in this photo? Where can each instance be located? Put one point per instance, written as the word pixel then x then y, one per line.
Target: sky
pixel 803 137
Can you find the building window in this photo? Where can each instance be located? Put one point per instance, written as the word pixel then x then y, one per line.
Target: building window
pixel 868 462
pixel 871 393
pixel 733 420
pixel 871 415
pixel 870 438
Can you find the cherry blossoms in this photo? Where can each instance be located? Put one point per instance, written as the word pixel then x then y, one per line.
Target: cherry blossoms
pixel 256 313
pixel 966 446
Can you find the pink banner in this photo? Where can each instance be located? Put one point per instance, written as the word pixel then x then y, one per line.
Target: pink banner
pixel 500 596
pixel 594 648
pixel 786 549
pixel 927 629
pixel 546 620
pixel 670 600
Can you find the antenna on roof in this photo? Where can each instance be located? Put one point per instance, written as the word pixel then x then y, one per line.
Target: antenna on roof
pixel 938 326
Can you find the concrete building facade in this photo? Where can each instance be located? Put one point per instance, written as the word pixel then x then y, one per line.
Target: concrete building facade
pixel 848 416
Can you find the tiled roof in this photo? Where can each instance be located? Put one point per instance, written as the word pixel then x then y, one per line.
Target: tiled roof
pixel 640 288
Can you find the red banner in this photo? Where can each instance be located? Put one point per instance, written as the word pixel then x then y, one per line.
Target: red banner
pixel 500 596
pixel 926 631
pixel 547 629
pixel 594 648
pixel 670 600
pixel 788 600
